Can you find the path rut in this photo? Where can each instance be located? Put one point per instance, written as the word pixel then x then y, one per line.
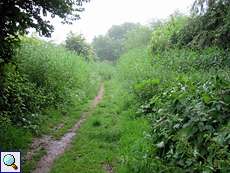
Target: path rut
pixel 55 148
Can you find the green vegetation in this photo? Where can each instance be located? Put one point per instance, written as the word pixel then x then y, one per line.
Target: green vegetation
pixel 208 27
pixel 109 136
pixel 188 107
pixel 116 41
pixel 18 16
pixel 47 78
pixel 185 95
pixel 78 44
pixel 29 80
pixel 166 106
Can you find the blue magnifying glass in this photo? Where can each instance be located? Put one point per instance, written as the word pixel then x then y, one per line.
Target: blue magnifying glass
pixel 9 160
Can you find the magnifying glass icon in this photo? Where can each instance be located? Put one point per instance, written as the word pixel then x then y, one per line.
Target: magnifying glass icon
pixel 9 160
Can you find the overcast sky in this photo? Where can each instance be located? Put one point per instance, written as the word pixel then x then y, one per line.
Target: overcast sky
pixel 100 15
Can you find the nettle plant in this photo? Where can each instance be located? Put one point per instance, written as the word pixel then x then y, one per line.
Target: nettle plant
pixel 190 121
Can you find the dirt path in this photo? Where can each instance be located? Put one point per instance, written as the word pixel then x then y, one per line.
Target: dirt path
pixel 55 148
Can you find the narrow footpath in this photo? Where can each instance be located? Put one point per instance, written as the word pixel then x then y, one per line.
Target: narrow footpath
pixel 55 148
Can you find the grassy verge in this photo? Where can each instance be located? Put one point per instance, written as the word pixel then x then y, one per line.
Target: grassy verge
pixel 106 138
pixel 29 165
pixel 60 121
pixel 56 125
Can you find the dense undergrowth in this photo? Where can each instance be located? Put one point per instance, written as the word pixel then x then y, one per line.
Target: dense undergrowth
pixel 185 94
pixel 179 83
pixel 42 77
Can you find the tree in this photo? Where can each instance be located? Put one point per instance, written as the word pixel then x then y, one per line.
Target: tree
pixel 16 16
pixel 118 32
pixel 137 38
pixel 77 43
pixel 209 25
pixel 105 48
pixel 19 15
pixel 200 6
pixel 163 36
pixel 111 46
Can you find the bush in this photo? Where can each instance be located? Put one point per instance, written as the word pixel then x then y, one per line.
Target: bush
pixel 185 94
pixel 137 38
pixel 21 103
pixel 208 27
pixel 188 108
pixel 190 123
pixel 78 44
pixel 163 35
pixel 60 73
pixel 134 66
pixel 41 76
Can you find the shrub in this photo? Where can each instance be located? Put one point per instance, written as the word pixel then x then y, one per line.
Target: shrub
pixel 163 35
pixel 190 123
pixel 78 44
pixel 42 75
pixel 208 27
pixel 185 95
pixel 60 73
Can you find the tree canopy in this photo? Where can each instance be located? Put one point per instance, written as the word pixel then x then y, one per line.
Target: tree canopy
pixel 105 48
pixel 17 16
pixel 136 38
pixel 209 25
pixel 111 46
pixel 78 44
pixel 118 32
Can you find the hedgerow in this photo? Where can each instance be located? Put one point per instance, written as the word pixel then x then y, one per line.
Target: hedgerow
pixel 185 94
pixel 42 75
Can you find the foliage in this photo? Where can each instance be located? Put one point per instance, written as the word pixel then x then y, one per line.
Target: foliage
pixel 54 69
pixel 21 102
pixel 118 32
pixel 78 44
pixel 104 70
pixel 163 35
pixel 111 46
pixel 190 124
pixel 189 105
pixel 136 38
pixel 17 16
pixel 184 93
pixel 155 23
pixel 17 94
pixel 47 75
pixel 133 67
pixel 106 48
pixel 209 26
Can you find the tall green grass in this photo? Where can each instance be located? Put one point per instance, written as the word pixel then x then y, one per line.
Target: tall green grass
pixel 184 93
pixel 60 73
pixel 42 76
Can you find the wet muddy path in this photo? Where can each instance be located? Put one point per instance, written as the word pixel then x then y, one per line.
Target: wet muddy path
pixel 54 148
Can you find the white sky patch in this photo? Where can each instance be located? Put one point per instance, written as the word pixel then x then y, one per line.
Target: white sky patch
pixel 100 15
